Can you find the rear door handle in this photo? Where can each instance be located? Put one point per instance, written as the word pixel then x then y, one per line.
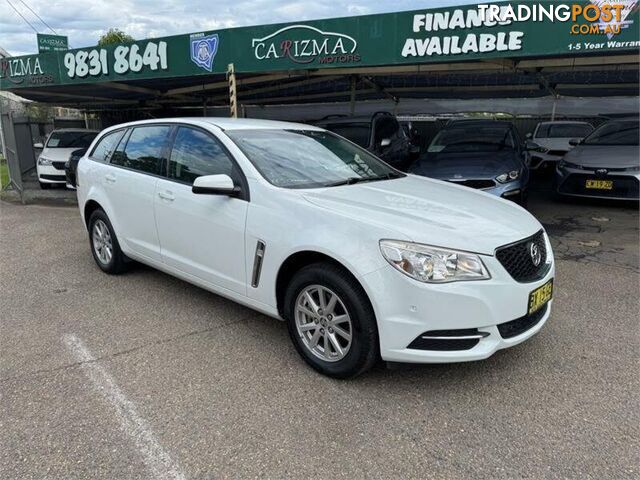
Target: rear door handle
pixel 168 196
pixel 110 178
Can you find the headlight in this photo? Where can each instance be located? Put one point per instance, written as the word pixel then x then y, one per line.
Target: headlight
pixel 541 149
pixel 433 264
pixel 633 169
pixel 44 161
pixel 509 176
pixel 564 164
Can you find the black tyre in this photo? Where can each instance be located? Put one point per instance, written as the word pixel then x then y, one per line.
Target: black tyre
pixel 45 186
pixel 331 321
pixel 104 244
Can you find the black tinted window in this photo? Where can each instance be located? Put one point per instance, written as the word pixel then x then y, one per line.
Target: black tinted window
pixel 196 153
pixel 385 128
pixel 106 145
pixel 143 150
pixel 358 133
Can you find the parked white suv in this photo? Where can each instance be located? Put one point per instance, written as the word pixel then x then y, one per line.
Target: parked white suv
pixel 361 261
pixel 56 151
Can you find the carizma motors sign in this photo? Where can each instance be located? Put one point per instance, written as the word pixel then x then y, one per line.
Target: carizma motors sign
pixel 305 44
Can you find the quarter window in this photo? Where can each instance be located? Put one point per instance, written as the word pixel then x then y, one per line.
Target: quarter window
pixel 195 154
pixel 143 151
pixel 106 145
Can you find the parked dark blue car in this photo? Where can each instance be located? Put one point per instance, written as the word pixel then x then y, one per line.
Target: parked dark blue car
pixel 484 154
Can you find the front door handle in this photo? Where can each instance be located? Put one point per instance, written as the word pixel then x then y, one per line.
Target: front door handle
pixel 168 196
pixel 110 178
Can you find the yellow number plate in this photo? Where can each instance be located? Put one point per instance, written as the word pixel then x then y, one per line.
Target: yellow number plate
pixel 599 184
pixel 540 296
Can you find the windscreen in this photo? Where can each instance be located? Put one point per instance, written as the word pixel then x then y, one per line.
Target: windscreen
pixel 472 138
pixel 614 133
pixel 563 130
pixel 71 139
pixel 309 158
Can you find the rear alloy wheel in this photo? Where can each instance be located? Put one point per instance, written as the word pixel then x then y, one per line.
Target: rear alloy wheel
pixel 104 244
pixel 331 321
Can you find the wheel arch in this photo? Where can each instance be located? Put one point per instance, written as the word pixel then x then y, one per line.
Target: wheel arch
pixel 294 262
pixel 89 207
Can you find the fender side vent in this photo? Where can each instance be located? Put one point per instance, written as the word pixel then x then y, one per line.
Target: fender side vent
pixel 257 263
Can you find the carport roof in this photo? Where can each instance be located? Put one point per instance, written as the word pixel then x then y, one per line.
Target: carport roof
pixel 357 58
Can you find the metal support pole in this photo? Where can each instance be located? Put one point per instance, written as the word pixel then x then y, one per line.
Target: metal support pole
pixel 233 94
pixel 352 100
pixel 553 108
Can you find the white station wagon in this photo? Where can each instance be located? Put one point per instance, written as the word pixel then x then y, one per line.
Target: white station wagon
pixel 362 261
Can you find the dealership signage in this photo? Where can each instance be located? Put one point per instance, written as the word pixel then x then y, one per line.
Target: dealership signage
pixel 471 32
pixel 52 43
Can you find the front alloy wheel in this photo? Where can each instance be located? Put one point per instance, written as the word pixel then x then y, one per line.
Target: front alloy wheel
pixel 323 323
pixel 331 321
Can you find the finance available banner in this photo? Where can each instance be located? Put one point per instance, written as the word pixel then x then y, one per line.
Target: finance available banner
pixel 471 32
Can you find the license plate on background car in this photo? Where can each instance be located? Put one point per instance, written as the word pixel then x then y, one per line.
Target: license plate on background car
pixel 599 184
pixel 540 296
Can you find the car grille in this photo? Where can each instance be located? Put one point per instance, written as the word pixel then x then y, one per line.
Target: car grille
pixel 58 165
pixel 559 153
pixel 516 259
pixel 56 178
pixel 520 325
pixel 478 183
pixel 623 186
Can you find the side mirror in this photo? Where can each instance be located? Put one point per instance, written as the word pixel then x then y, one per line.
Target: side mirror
pixel 38 145
pixel 215 185
pixel 530 145
pixel 575 141
pixel 385 143
pixel 529 136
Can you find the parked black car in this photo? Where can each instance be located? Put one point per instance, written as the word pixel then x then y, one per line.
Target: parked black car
pixel 488 155
pixel 381 134
pixel 71 166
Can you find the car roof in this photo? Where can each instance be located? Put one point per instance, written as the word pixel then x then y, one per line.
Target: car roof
pixel 339 119
pixel 565 122
pixel 479 122
pixel 226 123
pixel 88 130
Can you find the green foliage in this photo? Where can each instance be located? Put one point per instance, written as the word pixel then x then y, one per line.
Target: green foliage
pixel 4 173
pixel 114 35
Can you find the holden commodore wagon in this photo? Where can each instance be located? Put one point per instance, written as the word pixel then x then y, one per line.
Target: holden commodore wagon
pixel 361 261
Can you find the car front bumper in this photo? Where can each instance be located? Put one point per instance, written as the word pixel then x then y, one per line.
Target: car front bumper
pixel 571 182
pixel 541 160
pixel 50 174
pixel 406 309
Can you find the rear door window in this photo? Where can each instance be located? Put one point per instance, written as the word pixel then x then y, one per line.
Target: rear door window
pixel 144 149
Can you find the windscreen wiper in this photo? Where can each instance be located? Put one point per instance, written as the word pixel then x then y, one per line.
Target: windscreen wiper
pixel 354 180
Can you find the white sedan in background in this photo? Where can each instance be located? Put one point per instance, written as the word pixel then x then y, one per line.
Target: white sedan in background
pixel 361 260
pixel 553 139
pixel 56 151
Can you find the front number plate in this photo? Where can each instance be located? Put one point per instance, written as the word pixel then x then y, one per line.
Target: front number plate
pixel 540 296
pixel 599 184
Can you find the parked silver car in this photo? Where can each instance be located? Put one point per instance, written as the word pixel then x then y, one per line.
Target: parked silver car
pixel 606 164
